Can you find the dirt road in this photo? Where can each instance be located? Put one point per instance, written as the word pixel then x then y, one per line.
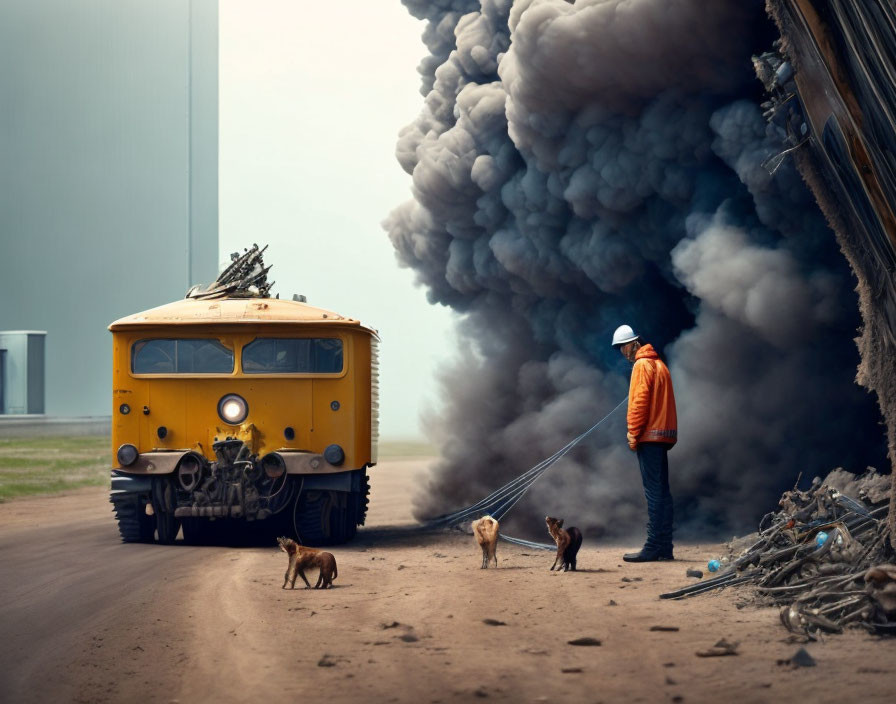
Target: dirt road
pixel 86 619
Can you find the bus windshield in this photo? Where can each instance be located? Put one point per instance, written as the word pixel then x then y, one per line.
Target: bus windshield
pixel 181 356
pixel 305 355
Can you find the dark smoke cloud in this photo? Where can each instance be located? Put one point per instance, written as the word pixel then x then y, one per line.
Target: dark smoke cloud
pixel 577 166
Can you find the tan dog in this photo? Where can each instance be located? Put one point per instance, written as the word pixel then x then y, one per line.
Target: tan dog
pixel 568 543
pixel 301 557
pixel 485 530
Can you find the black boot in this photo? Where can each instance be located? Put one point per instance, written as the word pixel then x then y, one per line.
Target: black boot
pixel 647 554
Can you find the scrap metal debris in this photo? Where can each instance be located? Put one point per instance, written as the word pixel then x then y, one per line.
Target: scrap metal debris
pixel 881 581
pixel 245 277
pixel 824 556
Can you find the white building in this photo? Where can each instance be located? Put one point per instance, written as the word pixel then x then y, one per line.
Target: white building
pixel 108 174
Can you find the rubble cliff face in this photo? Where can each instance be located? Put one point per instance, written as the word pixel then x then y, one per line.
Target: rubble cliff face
pixel 876 371
pixel 840 54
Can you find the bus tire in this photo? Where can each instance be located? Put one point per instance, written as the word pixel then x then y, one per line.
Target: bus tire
pixel 134 525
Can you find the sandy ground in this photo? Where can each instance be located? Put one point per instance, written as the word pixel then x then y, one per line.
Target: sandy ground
pixel 85 618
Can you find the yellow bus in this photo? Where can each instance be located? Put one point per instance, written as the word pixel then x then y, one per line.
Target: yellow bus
pixel 242 414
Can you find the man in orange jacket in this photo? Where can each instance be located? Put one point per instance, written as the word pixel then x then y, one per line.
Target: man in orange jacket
pixel 652 430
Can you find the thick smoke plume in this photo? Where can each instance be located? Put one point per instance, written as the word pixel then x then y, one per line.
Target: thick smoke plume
pixel 581 165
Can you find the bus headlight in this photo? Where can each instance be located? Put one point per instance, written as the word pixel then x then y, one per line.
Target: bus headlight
pixel 127 455
pixel 233 409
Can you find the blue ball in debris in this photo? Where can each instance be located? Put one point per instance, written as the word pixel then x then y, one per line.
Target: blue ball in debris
pixel 821 538
pixel 713 565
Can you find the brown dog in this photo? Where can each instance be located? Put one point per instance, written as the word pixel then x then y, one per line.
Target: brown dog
pixel 485 530
pixel 301 557
pixel 568 541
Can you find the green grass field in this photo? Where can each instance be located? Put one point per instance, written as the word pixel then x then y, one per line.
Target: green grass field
pixel 394 449
pixel 30 466
pixel 46 465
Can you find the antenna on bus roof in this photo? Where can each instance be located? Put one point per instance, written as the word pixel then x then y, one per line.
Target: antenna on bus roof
pixel 245 277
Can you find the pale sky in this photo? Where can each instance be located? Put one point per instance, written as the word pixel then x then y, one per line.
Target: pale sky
pixel 312 97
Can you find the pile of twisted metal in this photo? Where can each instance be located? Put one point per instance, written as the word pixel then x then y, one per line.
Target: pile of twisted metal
pixel 245 277
pixel 825 557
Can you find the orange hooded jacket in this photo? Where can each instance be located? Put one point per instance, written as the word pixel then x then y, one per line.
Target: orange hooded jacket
pixel 651 401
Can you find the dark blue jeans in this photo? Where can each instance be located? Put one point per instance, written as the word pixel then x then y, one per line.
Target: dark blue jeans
pixel 654 462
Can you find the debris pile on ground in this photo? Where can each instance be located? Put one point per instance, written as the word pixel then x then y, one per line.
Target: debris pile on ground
pixel 824 556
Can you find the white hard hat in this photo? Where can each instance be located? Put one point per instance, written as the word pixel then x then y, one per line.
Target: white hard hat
pixel 623 335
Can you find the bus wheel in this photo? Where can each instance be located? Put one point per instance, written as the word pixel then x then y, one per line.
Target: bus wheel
pixel 167 527
pixel 133 523
pixel 324 517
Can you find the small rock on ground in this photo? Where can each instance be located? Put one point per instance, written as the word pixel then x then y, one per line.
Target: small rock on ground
pixel 588 640
pixel 720 649
pixel 800 658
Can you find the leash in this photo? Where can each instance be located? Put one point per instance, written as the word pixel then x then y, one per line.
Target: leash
pixel 527 543
pixel 500 502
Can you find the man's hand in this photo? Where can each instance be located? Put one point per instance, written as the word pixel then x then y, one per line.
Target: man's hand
pixel 632 441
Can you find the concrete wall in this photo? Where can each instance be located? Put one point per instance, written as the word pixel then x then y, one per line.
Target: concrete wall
pixel 108 173
pixel 50 426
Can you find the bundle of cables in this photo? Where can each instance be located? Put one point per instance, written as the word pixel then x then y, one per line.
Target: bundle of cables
pixel 499 503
